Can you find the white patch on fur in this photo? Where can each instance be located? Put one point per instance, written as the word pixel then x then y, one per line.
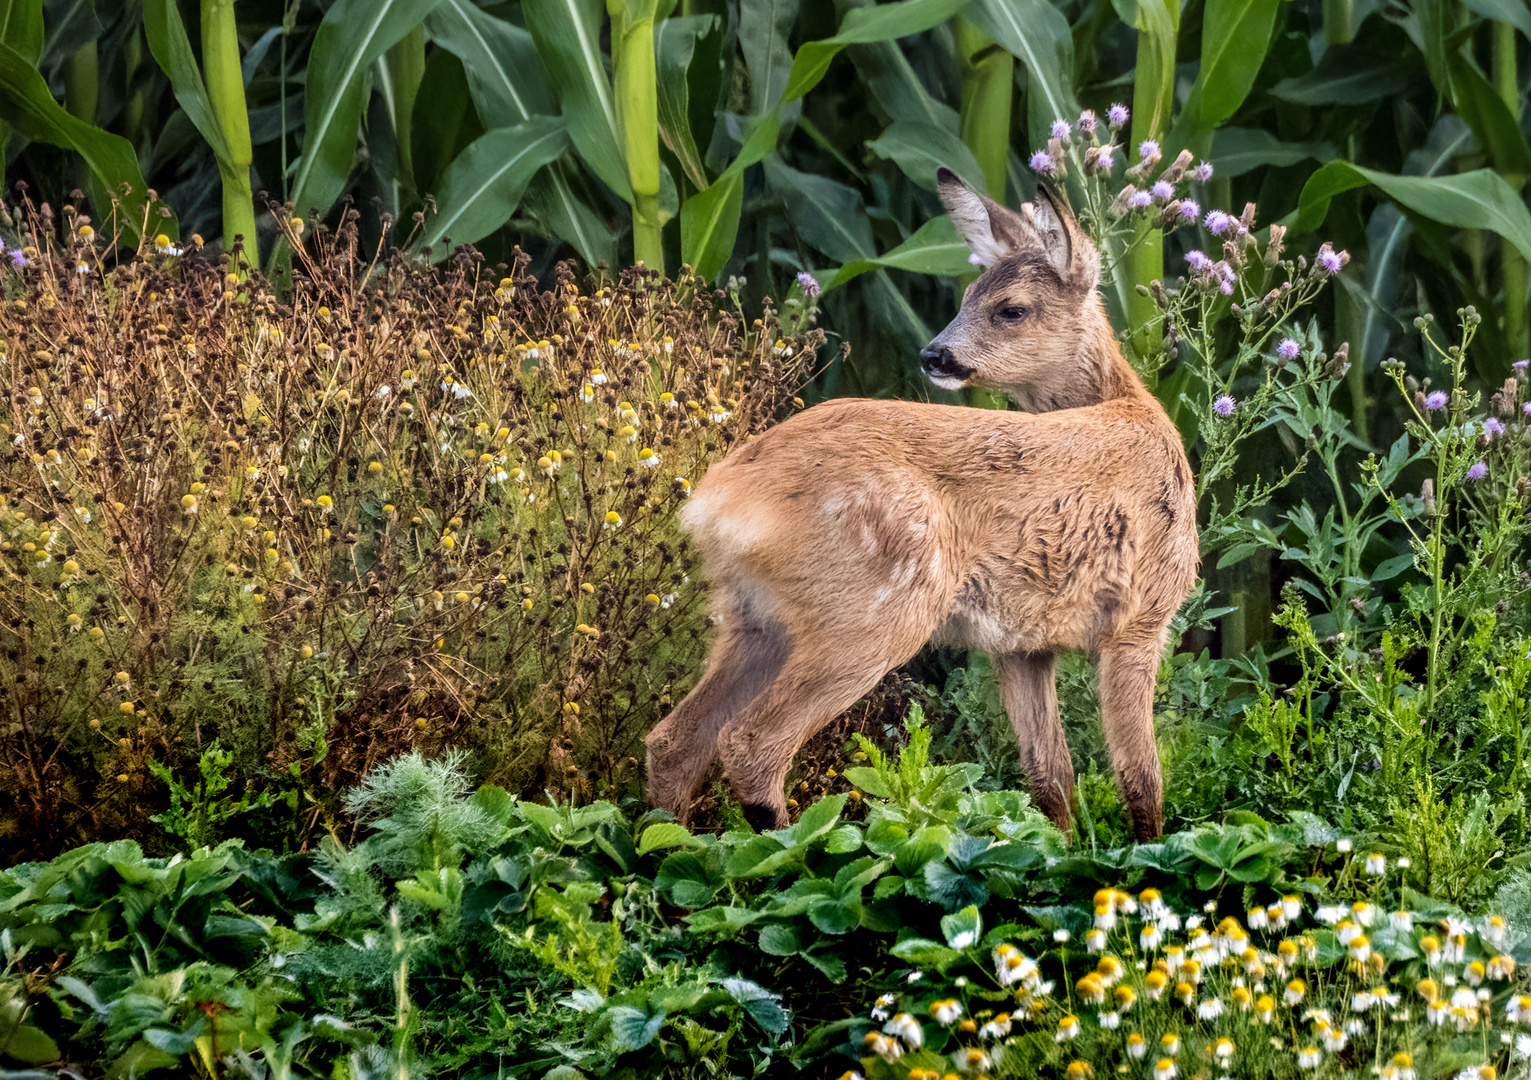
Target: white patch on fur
pixel 868 538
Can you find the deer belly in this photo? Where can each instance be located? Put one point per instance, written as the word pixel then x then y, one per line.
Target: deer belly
pixel 988 614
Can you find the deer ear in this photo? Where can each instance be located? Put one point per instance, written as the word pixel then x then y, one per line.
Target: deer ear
pixel 990 231
pixel 1066 247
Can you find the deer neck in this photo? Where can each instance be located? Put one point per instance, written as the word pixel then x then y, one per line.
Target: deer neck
pixel 1096 373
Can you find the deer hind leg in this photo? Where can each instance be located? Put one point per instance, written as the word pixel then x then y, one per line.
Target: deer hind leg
pixel 1127 675
pixel 745 660
pixel 758 744
pixel 1029 684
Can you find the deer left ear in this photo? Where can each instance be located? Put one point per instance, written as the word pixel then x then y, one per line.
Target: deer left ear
pixel 1067 248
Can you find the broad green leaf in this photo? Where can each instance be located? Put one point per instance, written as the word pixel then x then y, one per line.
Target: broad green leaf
pixel 1343 77
pixel 922 952
pixel 353 35
pixel 891 81
pixel 764 26
pixel 27 105
pixel 1475 200
pixel 1038 35
pixel 674 45
pixel 684 878
pixel 865 777
pixel 1514 12
pixel 21 27
pixel 505 74
pixel 780 939
pixel 709 221
pixel 482 188
pixel 1236 151
pixel 829 216
pixel 633 1029
pixel 843 838
pixel 568 37
pixel 862 26
pixel 560 207
pixel 762 1005
pixel 666 834
pixel 1234 38
pixel 1497 128
pixel 963 929
pixel 933 248
pixel 166 34
pixel 920 149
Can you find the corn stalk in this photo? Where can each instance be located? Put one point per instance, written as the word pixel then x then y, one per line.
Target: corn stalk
pixel 1158 25
pixel 632 57
pixel 1513 264
pixel 226 91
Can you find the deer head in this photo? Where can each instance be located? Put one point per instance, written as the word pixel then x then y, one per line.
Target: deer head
pixel 1031 325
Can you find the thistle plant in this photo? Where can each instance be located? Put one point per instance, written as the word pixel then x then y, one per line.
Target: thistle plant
pixel 405 508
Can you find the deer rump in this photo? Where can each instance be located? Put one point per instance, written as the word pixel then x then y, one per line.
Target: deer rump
pixel 842 540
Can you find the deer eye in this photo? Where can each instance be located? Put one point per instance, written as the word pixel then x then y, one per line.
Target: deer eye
pixel 1012 313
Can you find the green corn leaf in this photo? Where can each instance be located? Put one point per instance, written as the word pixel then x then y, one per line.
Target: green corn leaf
pixel 1514 12
pixel 172 50
pixel 862 26
pixel 674 45
pixel 1473 200
pixel 27 105
pixel 568 37
pixel 1236 151
pixel 353 35
pixel 920 149
pixel 830 217
pixel 21 27
pixel 482 188
pixel 933 248
pixel 1037 34
pixel 560 208
pixel 709 221
pixel 1496 127
pixel 505 74
pixel 1235 37
pixel 764 26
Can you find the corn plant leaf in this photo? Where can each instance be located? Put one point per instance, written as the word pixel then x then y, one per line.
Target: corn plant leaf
pixel 1514 12
pixel 21 27
pixel 558 205
pixel 353 35
pixel 1234 39
pixel 1236 151
pixel 1036 33
pixel 920 149
pixel 1474 200
pixel 862 26
pixel 166 34
pixel 829 216
pixel 482 188
pixel 933 248
pixel 117 187
pixel 1344 76
pixel 1496 127
pixel 764 26
pixel 674 45
pixel 505 73
pixel 568 38
pixel 709 220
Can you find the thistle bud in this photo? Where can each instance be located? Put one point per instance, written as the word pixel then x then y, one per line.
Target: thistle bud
pixel 1177 168
pixel 1339 363
pixel 1274 245
pixel 1427 493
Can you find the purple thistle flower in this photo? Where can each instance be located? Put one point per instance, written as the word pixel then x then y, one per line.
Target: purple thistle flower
pixel 1061 129
pixel 1332 261
pixel 1217 222
pixel 1116 116
pixel 1087 122
pixel 1436 399
pixel 18 260
pixel 1288 349
pixel 1520 365
pixel 1492 427
pixel 1203 172
pixel 1526 408
pixel 1190 209
pixel 1042 163
pixel 1148 148
pixel 1478 471
pixel 1104 161
pixel 1140 200
pixel 1163 189
pixel 1199 261
pixel 975 260
pixel 809 284
pixel 1223 406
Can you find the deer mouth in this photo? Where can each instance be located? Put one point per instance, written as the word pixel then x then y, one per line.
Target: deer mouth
pixel 943 368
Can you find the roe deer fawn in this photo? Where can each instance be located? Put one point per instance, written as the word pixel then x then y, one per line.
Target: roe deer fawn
pixel 842 540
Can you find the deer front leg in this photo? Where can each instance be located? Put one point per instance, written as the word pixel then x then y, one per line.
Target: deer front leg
pixel 1029 685
pixel 1127 675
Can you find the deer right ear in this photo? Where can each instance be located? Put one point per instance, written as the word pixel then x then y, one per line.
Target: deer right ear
pixel 990 231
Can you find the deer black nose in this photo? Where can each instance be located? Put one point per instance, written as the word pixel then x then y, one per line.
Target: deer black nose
pixel 937 359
